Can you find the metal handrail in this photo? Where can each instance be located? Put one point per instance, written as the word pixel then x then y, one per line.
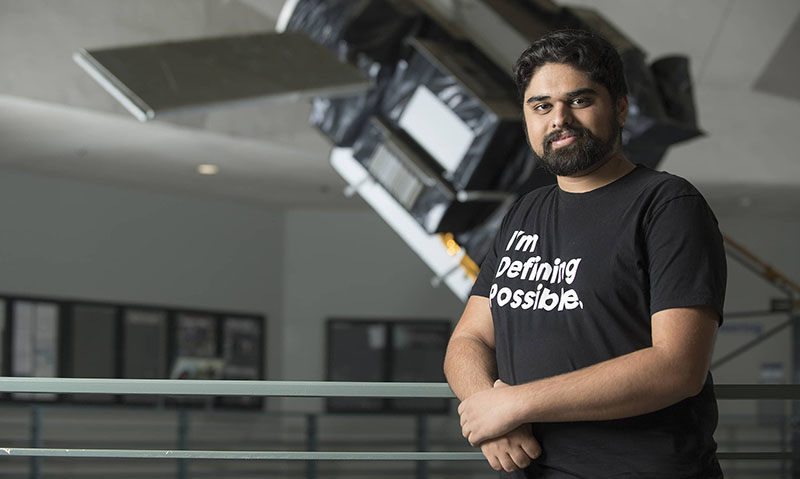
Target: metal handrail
pixel 305 389
pixel 272 455
pixel 192 387
pixel 195 387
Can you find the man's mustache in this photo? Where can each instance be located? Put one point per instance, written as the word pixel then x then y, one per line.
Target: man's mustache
pixel 565 131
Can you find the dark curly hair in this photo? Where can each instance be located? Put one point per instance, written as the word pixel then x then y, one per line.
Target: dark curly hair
pixel 583 50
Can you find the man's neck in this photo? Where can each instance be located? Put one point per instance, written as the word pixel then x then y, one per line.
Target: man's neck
pixel 613 169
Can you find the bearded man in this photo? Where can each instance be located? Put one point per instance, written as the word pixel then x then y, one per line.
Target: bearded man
pixel 584 348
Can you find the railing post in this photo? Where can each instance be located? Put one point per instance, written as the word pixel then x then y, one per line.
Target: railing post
pixel 784 447
pixel 36 441
pixel 795 421
pixel 312 444
pixel 183 442
pixel 423 444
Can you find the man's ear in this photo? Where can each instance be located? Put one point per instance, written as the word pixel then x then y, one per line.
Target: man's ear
pixel 622 110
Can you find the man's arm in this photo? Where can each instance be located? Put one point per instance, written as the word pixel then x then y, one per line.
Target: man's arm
pixel 470 367
pixel 672 369
pixel 469 364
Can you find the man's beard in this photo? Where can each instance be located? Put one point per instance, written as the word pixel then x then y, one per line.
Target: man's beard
pixel 581 155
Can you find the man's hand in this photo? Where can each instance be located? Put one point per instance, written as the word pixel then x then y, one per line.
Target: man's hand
pixel 488 414
pixel 512 451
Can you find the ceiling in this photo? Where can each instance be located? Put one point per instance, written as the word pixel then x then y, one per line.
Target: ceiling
pixel 55 120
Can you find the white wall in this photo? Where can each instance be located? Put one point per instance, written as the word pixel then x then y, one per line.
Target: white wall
pixel 68 239
pixel 774 241
pixel 300 267
pixel 76 240
pixel 349 264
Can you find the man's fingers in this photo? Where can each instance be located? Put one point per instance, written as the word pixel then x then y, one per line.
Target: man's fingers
pixel 520 457
pixel 531 447
pixel 493 461
pixel 511 452
pixel 508 463
pixel 474 438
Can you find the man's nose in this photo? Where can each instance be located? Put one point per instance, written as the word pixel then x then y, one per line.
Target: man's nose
pixel 562 116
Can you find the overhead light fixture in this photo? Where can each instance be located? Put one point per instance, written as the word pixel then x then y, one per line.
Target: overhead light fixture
pixel 207 169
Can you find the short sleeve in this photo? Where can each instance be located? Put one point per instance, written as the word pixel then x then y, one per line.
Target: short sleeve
pixel 486 273
pixel 686 256
pixel 489 265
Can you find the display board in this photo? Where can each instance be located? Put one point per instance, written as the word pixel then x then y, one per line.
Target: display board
pixel 386 351
pixel 48 337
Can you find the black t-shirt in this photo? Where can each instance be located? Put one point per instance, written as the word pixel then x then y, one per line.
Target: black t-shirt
pixel 573 279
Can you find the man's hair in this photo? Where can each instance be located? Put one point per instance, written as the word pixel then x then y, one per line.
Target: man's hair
pixel 582 50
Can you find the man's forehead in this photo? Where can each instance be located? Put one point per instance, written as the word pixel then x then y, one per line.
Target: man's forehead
pixel 557 79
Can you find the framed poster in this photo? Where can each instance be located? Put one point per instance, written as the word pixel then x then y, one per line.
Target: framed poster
pixel 34 350
pixel 195 355
pixel 196 336
pixel 46 337
pixel 91 346
pixel 242 354
pixel 3 341
pixel 417 355
pixel 144 347
pixel 356 352
pixel 241 348
pixel 386 351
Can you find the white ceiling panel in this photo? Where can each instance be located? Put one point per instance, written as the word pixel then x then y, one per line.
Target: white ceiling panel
pixel 751 138
pixel 65 141
pixel 662 28
pixel 747 41
pixel 38 38
pixel 270 155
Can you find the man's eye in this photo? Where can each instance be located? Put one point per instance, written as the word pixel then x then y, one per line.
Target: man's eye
pixel 541 107
pixel 580 101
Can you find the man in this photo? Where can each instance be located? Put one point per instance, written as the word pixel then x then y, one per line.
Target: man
pixel 590 328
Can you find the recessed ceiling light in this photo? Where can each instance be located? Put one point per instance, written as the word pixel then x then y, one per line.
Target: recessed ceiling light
pixel 207 169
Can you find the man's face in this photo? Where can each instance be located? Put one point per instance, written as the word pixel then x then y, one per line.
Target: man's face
pixel 572 124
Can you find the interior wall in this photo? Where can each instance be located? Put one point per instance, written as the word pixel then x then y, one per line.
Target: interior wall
pixel 75 240
pixel 68 239
pixel 774 241
pixel 351 265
